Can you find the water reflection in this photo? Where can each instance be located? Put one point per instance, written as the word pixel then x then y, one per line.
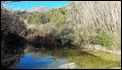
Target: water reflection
pixel 11 57
pixel 32 62
pixel 10 62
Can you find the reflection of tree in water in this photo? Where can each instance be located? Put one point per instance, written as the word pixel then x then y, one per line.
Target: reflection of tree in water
pixel 10 63
pixel 12 52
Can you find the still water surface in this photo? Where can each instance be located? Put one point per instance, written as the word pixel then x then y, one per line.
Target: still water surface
pixel 29 61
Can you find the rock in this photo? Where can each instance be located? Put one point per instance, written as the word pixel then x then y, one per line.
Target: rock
pixel 69 66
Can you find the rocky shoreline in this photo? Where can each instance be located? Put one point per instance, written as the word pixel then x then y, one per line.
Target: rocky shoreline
pixel 98 47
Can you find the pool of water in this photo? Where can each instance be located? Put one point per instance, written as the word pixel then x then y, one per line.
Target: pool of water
pixel 29 61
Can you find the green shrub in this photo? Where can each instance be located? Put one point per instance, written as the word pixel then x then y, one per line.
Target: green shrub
pixel 104 39
pixel 61 21
pixel 64 31
pixel 79 40
pixel 62 10
pixel 44 18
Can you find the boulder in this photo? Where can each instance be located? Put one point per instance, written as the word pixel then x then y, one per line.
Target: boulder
pixel 69 66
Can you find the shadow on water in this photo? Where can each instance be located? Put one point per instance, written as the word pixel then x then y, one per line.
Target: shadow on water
pixel 12 50
pixel 13 56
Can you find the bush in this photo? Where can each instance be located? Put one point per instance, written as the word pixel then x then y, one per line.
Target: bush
pixel 79 39
pixel 104 39
pixel 64 35
pixel 101 39
pixel 44 18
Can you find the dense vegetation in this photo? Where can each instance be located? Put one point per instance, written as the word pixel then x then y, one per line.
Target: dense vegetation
pixel 12 43
pixel 69 27
pixel 91 19
pixel 66 24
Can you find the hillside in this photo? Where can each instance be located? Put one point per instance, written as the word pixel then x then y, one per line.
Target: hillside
pixel 38 9
pixel 87 33
pixel 90 23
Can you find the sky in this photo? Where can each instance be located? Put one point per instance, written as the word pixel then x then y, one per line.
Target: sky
pixel 26 5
